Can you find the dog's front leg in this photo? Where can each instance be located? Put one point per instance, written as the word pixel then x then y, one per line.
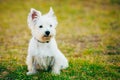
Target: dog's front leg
pixel 56 68
pixel 31 65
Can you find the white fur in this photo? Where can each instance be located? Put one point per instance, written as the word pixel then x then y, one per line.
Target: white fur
pixel 42 54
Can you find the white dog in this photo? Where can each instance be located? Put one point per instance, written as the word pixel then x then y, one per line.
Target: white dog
pixel 43 51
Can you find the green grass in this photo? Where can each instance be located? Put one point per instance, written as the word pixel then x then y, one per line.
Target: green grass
pixel 79 69
pixel 88 34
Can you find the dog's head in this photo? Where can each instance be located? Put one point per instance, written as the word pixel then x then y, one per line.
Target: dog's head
pixel 42 26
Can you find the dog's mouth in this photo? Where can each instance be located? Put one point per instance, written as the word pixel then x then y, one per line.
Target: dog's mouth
pixel 46 38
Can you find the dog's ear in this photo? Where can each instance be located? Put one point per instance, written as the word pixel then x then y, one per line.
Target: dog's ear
pixel 32 17
pixel 52 16
pixel 51 12
pixel 34 13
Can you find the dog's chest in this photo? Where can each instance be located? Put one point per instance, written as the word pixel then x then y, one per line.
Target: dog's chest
pixel 44 57
pixel 44 50
pixel 45 62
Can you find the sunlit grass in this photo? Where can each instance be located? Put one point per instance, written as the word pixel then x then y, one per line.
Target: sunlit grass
pixel 87 34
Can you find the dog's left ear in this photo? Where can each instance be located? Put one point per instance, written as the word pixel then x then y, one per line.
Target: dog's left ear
pixel 52 16
pixel 51 12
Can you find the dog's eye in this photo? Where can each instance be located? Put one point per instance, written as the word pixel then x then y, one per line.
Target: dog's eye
pixel 40 26
pixel 50 25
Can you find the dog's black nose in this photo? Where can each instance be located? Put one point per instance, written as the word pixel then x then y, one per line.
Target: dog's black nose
pixel 47 33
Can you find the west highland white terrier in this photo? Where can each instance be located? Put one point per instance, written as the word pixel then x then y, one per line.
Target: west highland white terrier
pixel 43 52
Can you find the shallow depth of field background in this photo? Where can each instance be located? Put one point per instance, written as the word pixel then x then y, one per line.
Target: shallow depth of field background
pixel 88 34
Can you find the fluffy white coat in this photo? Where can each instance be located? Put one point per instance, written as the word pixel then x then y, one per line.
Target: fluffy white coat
pixel 43 52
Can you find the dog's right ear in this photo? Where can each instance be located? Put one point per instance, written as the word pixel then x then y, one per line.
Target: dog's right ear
pixel 34 13
pixel 32 17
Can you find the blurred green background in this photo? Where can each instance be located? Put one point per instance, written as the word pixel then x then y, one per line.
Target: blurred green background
pixel 88 33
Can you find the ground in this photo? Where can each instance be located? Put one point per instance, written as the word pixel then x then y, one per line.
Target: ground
pixel 88 34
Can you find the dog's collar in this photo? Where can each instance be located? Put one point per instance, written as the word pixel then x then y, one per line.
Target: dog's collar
pixel 40 41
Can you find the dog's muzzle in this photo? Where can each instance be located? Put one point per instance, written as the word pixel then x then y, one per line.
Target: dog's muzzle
pixel 46 38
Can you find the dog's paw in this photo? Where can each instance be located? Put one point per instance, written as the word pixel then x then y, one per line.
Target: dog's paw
pixel 31 73
pixel 56 72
